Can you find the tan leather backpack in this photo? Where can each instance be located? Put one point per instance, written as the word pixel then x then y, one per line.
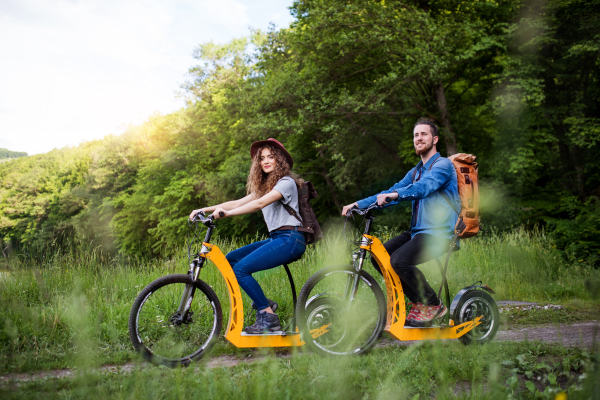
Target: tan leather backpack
pixel 468 190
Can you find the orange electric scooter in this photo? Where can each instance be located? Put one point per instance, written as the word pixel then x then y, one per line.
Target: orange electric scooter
pixel 177 318
pixel 341 309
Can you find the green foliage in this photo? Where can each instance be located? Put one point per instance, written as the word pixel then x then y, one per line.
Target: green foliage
pixel 548 102
pixel 515 83
pixel 541 380
pixel 579 234
pixel 37 204
pixel 5 153
pixel 440 370
pixel 48 305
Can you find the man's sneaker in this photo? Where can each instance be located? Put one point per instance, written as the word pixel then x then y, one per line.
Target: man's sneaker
pixel 265 322
pixel 428 315
pixel 272 304
pixel 415 310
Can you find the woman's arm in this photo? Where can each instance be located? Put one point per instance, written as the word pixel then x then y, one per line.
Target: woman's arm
pixel 250 206
pixel 228 205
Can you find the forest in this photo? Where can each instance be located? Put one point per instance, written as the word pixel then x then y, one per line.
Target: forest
pixel 7 154
pixel 515 82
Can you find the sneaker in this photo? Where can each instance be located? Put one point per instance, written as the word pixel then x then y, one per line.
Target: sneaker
pixel 428 315
pixel 415 310
pixel 265 322
pixel 272 304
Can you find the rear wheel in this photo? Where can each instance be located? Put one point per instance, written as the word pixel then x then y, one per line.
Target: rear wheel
pixel 332 324
pixel 472 305
pixel 161 335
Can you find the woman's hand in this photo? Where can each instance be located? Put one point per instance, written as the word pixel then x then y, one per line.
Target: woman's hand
pixel 194 212
pixel 217 213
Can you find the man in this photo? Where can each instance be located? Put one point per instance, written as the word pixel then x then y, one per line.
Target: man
pixel 434 196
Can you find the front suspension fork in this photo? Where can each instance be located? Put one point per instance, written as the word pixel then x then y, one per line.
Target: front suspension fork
pixel 353 280
pixel 188 293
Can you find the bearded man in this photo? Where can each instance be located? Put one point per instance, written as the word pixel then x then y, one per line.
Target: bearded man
pixel 433 189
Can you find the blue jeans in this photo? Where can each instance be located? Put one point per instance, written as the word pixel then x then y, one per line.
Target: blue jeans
pixel 283 247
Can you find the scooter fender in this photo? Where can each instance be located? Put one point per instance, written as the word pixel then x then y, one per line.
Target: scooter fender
pixel 463 292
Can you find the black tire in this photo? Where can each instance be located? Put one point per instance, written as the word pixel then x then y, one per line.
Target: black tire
pixel 154 335
pixel 345 329
pixel 471 305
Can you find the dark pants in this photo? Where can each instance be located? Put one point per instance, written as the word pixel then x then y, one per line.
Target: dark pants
pixel 405 253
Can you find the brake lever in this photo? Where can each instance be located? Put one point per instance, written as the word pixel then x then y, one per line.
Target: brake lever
pixel 349 212
pixel 199 217
pixel 358 211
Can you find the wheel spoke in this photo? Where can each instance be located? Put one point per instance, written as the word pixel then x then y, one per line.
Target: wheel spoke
pixel 155 321
pixel 334 323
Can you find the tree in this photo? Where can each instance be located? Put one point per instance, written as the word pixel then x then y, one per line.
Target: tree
pixel 346 82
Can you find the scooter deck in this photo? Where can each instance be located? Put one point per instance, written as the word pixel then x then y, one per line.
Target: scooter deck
pixel 274 333
pixel 431 333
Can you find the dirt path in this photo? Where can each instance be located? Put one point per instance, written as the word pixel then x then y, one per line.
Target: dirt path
pixel 584 335
pixel 214 362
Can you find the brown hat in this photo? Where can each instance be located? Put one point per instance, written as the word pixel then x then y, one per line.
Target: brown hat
pixel 271 142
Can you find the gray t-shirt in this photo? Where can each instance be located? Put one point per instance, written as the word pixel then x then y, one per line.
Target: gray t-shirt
pixel 275 214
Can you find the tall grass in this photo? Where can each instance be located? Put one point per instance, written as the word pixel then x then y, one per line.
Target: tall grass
pixel 517 265
pixel 50 309
pixel 449 371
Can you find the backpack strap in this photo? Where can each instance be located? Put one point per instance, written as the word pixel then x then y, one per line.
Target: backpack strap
pixel 445 196
pixel 421 162
pixel 294 214
pixel 415 171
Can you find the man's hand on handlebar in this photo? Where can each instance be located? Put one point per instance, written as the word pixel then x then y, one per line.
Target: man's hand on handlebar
pixel 385 198
pixel 347 208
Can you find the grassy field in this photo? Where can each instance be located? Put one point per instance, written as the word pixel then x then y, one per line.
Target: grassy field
pixel 71 311
pixel 440 370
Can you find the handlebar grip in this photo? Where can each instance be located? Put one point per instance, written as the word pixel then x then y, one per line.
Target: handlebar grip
pixel 349 212
pixel 388 200
pixel 221 214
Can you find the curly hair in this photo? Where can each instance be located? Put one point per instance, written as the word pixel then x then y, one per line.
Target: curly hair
pixel 260 182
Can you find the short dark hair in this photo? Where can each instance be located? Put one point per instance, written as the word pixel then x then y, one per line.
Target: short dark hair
pixel 428 121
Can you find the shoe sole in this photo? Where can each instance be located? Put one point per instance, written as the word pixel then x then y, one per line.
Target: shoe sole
pixel 274 329
pixel 421 324
pixel 274 333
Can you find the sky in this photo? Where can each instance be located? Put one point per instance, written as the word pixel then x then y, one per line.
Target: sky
pixel 74 71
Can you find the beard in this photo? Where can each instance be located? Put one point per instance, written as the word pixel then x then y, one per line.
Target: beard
pixel 425 149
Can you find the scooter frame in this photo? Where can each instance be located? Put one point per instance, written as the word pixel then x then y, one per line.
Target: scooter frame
pixel 235 325
pixel 396 307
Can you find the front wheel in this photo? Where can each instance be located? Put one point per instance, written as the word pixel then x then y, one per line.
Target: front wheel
pixel 472 305
pixel 158 331
pixel 341 311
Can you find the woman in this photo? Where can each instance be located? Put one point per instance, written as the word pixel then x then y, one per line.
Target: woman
pixel 269 187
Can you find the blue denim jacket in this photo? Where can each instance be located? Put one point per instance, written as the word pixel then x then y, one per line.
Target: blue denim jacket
pixel 435 215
